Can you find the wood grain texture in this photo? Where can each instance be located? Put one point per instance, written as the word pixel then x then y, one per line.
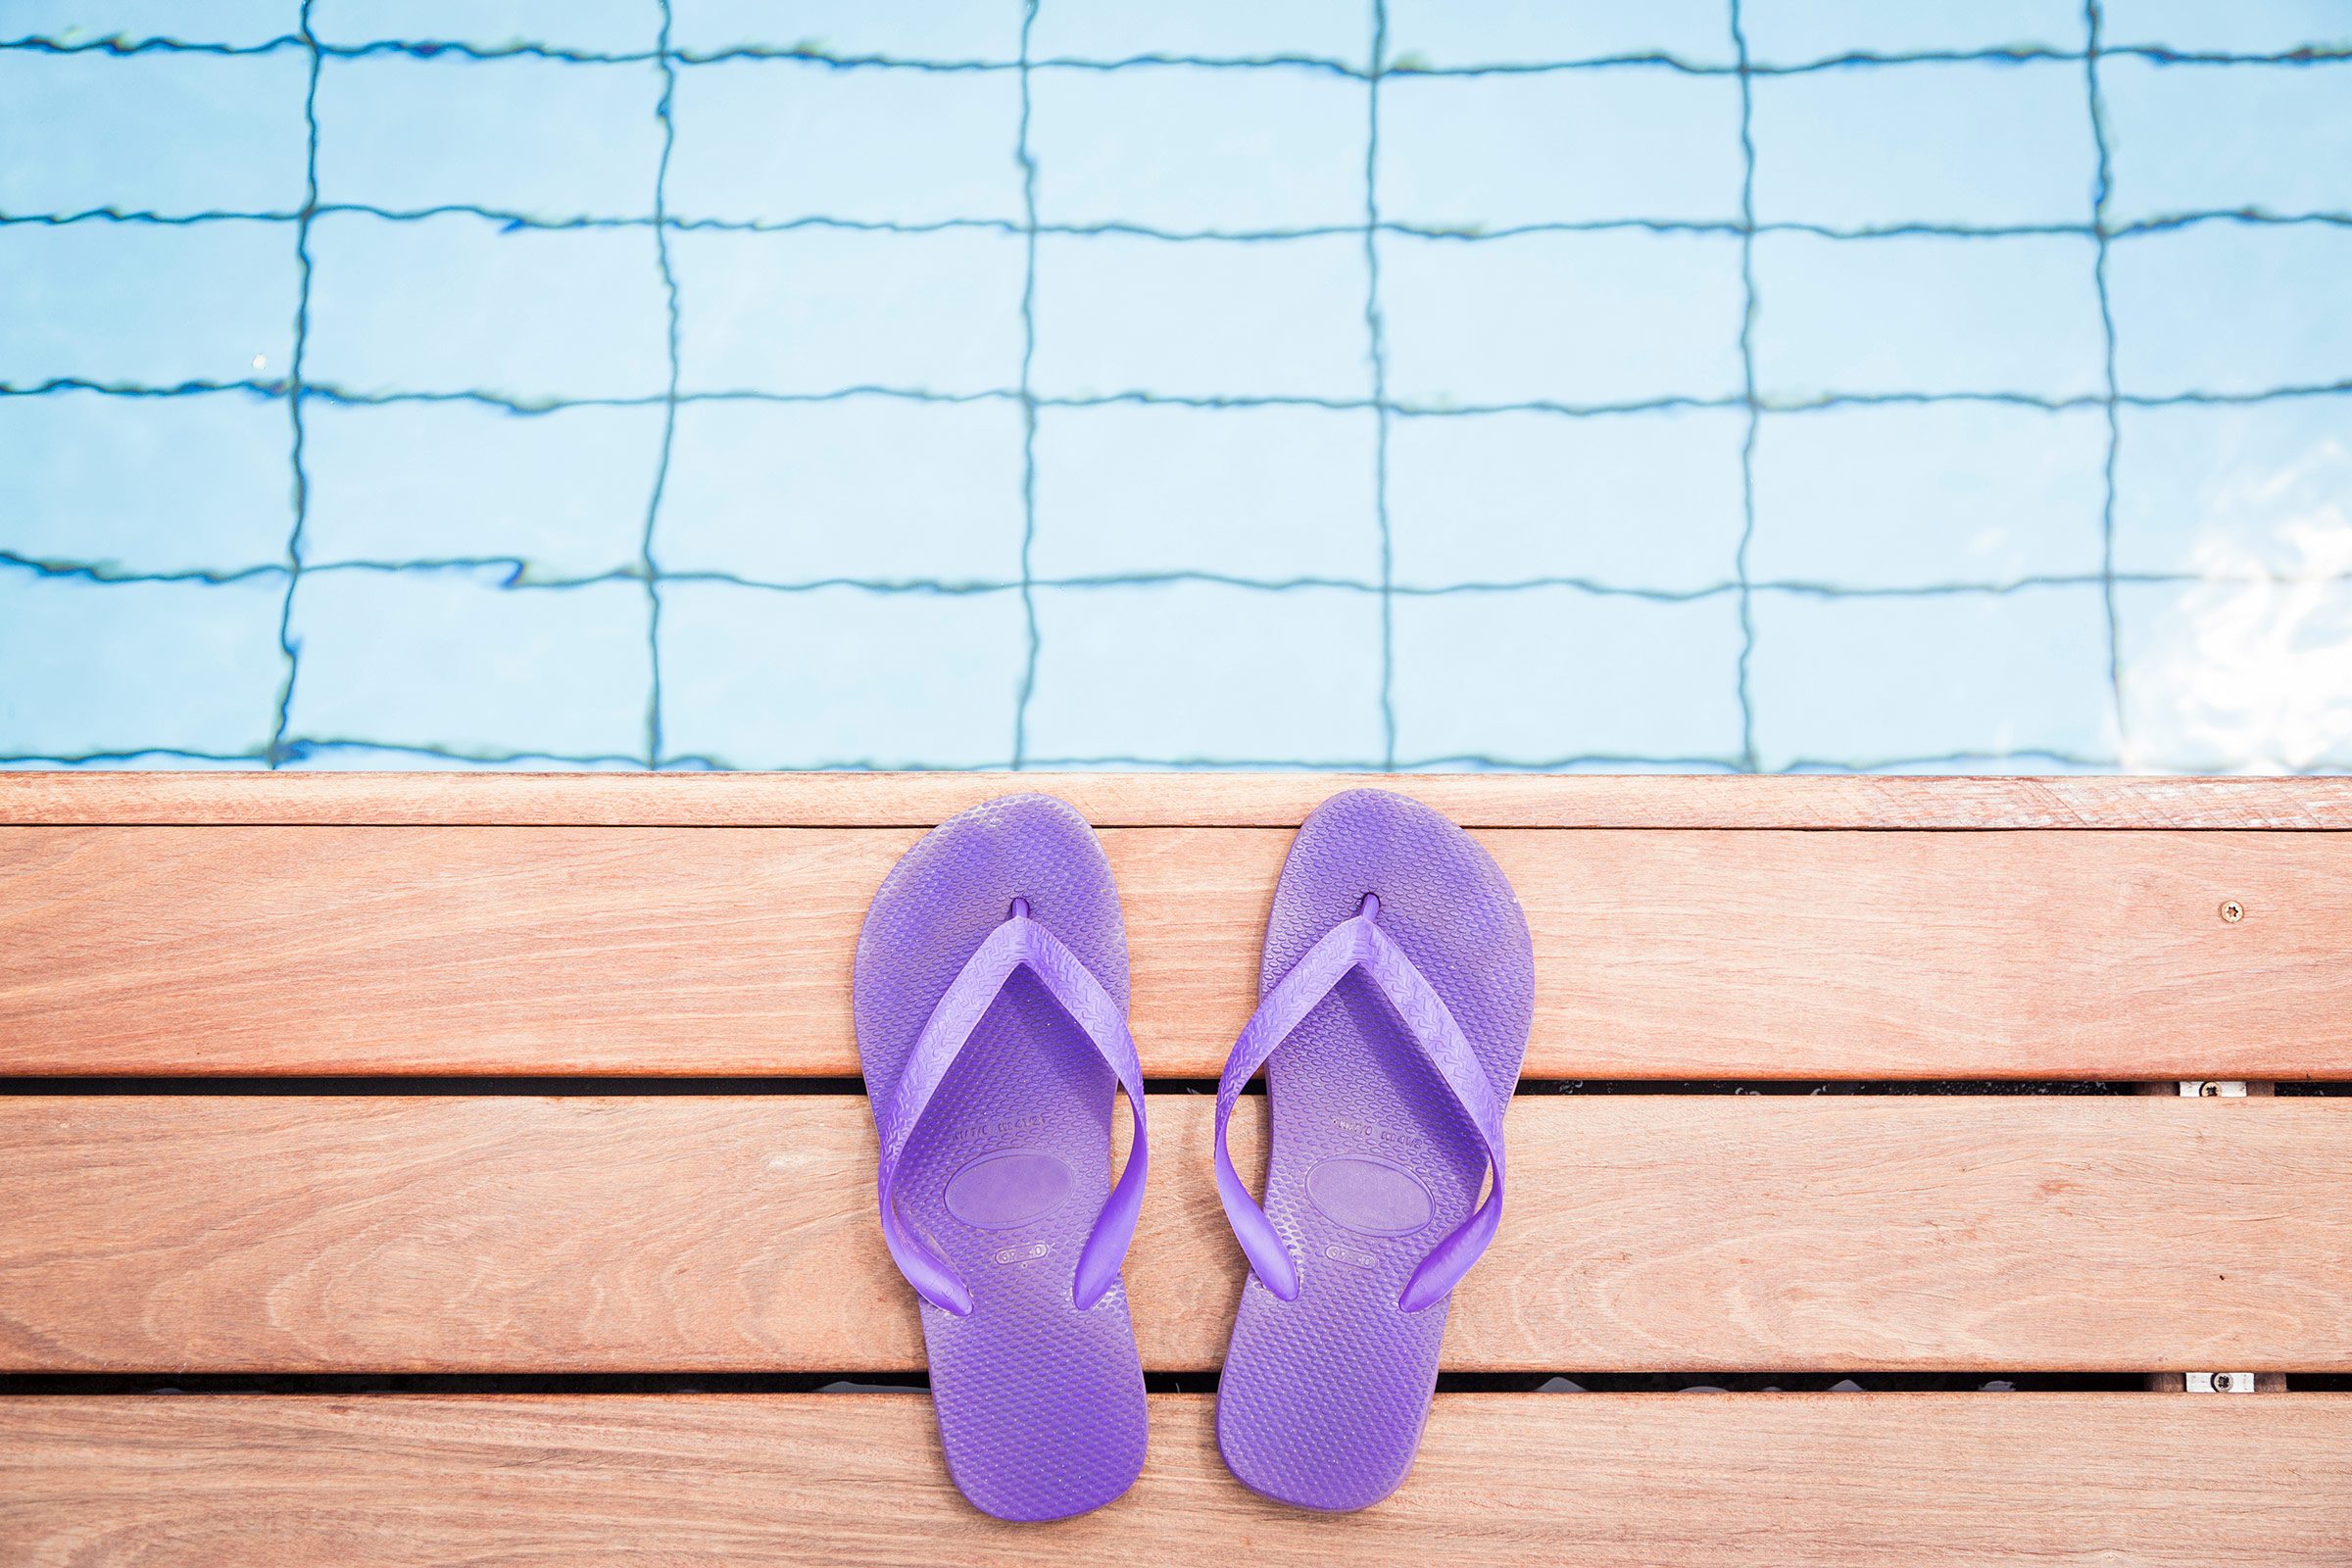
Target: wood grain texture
pixel 1167 800
pixel 2178 1382
pixel 1605 1480
pixel 737 1233
pixel 728 951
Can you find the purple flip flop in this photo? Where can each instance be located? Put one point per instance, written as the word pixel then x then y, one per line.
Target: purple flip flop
pixel 1395 997
pixel 991 997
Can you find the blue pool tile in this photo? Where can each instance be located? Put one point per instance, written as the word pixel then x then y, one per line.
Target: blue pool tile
pixel 239 23
pixel 1974 144
pixel 1120 314
pixel 1339 31
pixel 1648 501
pixel 2239 678
pixel 135 303
pixel 1270 493
pixel 1541 675
pixel 897 146
pixel 550 139
pixel 564 493
pixel 867 488
pixel 1920 314
pixel 1476 153
pixel 1865 682
pixel 1610 317
pixel 1172 672
pixel 935 313
pixel 2243 27
pixel 1801 32
pixel 905 29
pixel 2228 308
pixel 1449 35
pixel 595 26
pixel 2221 138
pixel 2241 490
pixel 454 660
pixel 1905 496
pixel 1185 148
pixel 167 134
pixel 752 677
pixel 147 484
pixel 454 304
pixel 137 666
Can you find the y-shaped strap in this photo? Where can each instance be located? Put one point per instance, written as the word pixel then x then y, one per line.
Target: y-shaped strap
pixel 1019 941
pixel 1359 942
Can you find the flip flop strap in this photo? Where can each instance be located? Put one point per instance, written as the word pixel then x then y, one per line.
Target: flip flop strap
pixel 1019 941
pixel 1359 942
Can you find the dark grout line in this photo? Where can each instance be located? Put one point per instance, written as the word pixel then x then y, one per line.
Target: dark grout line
pixel 1672 403
pixel 2103 188
pixel 519 574
pixel 120 43
pixel 669 405
pixel 277 752
pixel 1034 645
pixel 1748 761
pixel 1376 330
pixel 510 218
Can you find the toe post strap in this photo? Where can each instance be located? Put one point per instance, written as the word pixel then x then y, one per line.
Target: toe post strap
pixel 1019 941
pixel 1358 942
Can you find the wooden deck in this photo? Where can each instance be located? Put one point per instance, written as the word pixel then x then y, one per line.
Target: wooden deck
pixel 494 997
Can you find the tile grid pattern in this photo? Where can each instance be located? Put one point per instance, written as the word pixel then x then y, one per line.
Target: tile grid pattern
pixel 298 390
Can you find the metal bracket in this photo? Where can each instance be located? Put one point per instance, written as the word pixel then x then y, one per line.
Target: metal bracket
pixel 2213 1089
pixel 2221 1381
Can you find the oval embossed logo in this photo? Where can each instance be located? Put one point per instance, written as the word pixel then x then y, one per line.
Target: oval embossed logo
pixel 1368 1197
pixel 999 1191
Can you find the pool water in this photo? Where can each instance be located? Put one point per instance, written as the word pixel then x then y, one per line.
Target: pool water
pixel 1700 386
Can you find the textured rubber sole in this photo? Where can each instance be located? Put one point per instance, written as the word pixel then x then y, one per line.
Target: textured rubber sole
pixel 1040 1405
pixel 1369 1161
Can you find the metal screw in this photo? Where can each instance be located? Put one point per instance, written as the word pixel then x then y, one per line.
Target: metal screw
pixel 2208 1089
pixel 2232 911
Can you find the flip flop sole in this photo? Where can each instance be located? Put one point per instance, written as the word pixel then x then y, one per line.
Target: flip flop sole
pixel 1040 1404
pixel 1371 1160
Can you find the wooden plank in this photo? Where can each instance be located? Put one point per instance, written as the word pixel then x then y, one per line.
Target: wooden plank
pixel 217 1233
pixel 1167 800
pixel 1607 1481
pixel 720 951
pixel 2178 1382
